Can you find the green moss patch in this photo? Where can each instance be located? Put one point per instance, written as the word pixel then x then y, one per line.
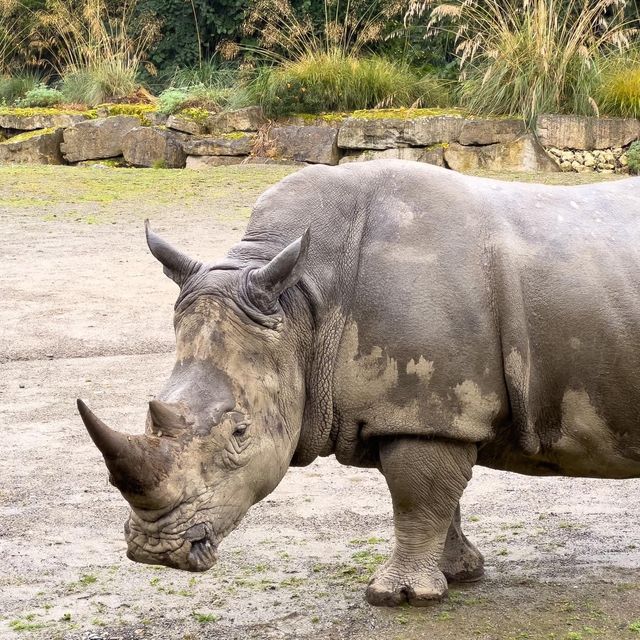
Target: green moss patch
pixel 406 114
pixel 141 111
pixel 27 135
pixel 195 114
pixel 29 112
pixel 235 135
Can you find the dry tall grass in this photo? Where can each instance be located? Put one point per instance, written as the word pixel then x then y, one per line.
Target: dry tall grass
pixel 98 51
pixel 525 57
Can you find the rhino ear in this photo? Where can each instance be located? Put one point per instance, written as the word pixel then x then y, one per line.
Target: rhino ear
pixel 175 264
pixel 265 284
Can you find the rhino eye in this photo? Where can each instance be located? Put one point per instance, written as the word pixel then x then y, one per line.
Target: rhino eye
pixel 241 429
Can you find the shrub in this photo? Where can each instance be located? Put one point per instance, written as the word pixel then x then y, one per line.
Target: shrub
pixel 336 81
pixel 327 66
pixel 633 158
pixel 14 87
pixel 619 91
pixel 101 82
pixel 525 57
pixel 41 96
pixel 96 47
pixel 176 99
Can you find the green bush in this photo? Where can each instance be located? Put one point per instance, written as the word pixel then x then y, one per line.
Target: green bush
pixel 98 83
pixel 14 87
pixel 633 158
pixel 41 96
pixel 619 92
pixel 336 81
pixel 175 99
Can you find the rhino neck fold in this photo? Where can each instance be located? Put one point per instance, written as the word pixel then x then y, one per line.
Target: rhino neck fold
pixel 337 221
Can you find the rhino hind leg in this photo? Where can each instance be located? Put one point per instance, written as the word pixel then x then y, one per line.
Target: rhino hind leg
pixel 426 479
pixel 461 561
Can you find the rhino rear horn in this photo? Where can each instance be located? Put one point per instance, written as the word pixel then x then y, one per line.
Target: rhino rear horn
pixel 176 264
pixel 135 463
pixel 267 283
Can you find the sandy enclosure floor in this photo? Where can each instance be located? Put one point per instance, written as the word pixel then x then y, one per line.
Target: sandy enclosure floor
pixel 86 312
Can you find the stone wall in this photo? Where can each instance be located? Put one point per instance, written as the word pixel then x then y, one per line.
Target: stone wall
pixel 197 139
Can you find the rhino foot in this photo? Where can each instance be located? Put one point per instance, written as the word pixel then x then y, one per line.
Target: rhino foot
pixel 461 561
pixel 394 585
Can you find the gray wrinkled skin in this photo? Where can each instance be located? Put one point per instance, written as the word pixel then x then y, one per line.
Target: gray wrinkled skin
pixel 431 321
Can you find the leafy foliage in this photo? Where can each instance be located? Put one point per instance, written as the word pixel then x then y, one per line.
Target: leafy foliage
pixel 16 86
pixel 41 96
pixel 633 158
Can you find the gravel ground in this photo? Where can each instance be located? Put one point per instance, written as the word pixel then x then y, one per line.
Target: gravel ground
pixel 87 312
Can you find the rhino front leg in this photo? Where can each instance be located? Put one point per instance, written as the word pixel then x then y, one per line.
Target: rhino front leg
pixel 426 479
pixel 461 561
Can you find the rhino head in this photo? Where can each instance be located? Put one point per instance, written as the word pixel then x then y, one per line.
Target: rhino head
pixel 220 435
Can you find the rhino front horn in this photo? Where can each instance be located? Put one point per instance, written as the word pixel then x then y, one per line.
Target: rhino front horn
pixel 135 463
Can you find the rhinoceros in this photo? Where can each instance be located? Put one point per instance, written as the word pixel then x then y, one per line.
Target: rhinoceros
pixel 398 316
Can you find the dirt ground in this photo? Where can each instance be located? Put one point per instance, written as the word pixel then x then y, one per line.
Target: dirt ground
pixel 86 312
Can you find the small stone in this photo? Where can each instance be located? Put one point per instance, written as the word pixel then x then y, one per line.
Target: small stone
pixel 576 166
pixel 21 386
pixel 589 160
pixel 567 156
pixel 565 165
pixel 623 160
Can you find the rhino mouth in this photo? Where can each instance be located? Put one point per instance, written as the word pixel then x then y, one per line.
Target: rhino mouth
pixel 204 550
pixel 195 550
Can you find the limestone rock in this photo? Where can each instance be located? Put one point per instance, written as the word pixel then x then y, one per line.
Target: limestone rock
pixel 225 145
pixel 523 154
pixel 206 162
pixel 430 155
pixel 582 132
pixel 305 144
pixel 152 147
pixel 247 119
pixel 482 132
pixel 386 133
pixel 95 139
pixel 37 147
pixel 20 122
pixel 185 124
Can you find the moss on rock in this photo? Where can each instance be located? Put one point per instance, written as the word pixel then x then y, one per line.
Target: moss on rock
pixel 27 135
pixel 195 114
pixel 29 112
pixel 406 113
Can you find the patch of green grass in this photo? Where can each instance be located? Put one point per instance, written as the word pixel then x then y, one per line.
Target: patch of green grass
pixel 26 623
pixel 635 627
pixel 110 191
pixel 204 618
pixel 87 579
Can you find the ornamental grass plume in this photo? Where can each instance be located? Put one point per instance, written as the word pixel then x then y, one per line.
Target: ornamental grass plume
pixel 525 57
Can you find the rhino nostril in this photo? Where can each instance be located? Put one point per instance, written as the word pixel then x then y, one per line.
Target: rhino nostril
pixel 195 533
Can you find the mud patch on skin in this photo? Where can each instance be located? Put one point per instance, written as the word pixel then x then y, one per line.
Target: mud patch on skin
pixel 477 411
pixel 587 446
pixel 422 368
